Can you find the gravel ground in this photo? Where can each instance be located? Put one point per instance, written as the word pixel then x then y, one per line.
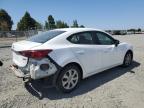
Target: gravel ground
pixel 6 42
pixel 115 88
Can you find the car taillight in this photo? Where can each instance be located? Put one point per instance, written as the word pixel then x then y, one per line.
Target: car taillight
pixel 37 54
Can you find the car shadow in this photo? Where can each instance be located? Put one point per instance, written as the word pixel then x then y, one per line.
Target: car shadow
pixel 85 86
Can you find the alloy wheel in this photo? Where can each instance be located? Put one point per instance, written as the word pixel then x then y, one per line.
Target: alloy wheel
pixel 70 79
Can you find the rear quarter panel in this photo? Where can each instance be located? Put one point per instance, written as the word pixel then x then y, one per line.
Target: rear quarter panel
pixel 64 56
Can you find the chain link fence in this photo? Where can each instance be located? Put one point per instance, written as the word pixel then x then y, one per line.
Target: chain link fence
pixel 8 37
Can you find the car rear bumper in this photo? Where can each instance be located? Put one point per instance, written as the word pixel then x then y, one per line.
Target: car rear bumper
pixel 32 70
pixel 18 72
pixel 27 77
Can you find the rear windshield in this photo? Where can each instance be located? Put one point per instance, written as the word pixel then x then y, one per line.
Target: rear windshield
pixel 45 36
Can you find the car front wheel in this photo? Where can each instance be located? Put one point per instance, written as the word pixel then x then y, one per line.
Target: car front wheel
pixel 68 78
pixel 127 59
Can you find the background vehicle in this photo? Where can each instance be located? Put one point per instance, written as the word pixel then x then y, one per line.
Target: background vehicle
pixel 69 55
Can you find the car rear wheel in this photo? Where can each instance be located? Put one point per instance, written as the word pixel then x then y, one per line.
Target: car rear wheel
pixel 128 59
pixel 68 79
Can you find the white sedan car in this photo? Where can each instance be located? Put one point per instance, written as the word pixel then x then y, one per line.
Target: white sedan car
pixel 68 55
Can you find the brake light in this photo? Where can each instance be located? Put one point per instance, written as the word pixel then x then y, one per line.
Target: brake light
pixel 38 54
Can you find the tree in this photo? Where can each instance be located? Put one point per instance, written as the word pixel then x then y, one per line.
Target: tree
pixel 46 25
pixel 5 20
pixel 82 26
pixel 139 30
pixel 61 24
pixel 132 30
pixel 27 23
pixel 51 22
pixel 75 24
pixel 117 32
pixel 38 25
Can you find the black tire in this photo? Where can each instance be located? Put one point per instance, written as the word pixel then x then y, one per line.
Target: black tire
pixel 61 78
pixel 1 63
pixel 128 59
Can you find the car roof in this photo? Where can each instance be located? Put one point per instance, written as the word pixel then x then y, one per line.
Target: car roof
pixel 78 29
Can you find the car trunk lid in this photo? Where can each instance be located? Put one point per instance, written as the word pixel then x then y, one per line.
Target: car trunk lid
pixel 18 59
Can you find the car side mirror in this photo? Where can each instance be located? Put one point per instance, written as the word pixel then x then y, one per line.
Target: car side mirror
pixel 117 42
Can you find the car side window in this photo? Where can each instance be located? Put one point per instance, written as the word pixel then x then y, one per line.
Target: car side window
pixel 81 38
pixel 104 39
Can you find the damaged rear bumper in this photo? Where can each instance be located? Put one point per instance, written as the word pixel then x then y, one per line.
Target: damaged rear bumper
pixel 32 69
pixel 18 72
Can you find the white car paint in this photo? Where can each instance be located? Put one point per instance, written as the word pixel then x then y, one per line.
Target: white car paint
pixel 92 58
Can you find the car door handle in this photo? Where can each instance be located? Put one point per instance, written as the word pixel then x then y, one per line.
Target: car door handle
pixel 80 52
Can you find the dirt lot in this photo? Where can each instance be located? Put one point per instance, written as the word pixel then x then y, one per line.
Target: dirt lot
pixel 116 88
pixel 4 42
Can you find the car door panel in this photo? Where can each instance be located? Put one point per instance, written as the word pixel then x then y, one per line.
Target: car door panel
pixel 86 51
pixel 110 50
pixel 89 56
pixel 109 55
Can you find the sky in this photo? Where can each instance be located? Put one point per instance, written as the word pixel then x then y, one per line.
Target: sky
pixel 100 14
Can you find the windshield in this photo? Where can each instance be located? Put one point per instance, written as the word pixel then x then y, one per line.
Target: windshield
pixel 45 36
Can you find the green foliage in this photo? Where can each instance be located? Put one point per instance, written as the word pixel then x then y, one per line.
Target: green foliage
pixel 28 23
pixel 139 30
pixel 132 30
pixel 46 25
pixel 82 26
pixel 135 30
pixel 117 32
pixel 51 22
pixel 75 24
pixel 61 24
pixel 5 20
pixel 38 25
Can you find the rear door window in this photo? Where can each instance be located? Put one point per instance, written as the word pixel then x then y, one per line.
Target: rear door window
pixel 46 36
pixel 82 38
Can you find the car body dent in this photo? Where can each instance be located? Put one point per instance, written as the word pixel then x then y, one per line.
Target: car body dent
pixel 37 73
